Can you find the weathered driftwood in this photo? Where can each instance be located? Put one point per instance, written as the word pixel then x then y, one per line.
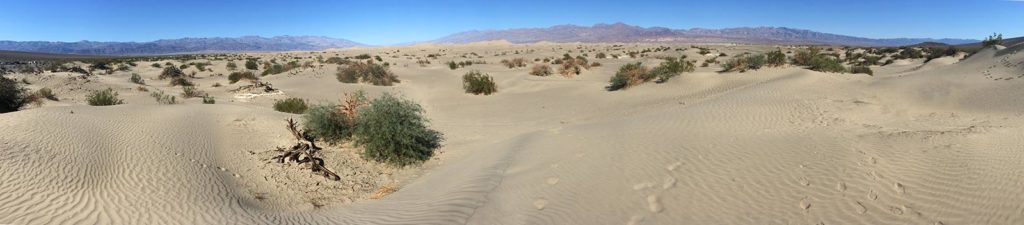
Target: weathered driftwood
pixel 304 152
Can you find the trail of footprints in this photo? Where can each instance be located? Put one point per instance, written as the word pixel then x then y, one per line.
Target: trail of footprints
pixel 204 165
pixel 652 200
pixel 1005 62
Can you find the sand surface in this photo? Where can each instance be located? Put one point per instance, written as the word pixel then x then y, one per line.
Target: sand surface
pixel 918 143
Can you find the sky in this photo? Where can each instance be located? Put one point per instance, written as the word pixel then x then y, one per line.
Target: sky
pixel 396 22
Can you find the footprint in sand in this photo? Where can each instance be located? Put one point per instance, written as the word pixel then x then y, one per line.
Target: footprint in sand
pixel 641 186
pixel 805 204
pixel 669 183
pixel 896 210
pixel 653 204
pixel 804 181
pixel 841 186
pixel 900 188
pixel 861 208
pixel 552 180
pixel 673 166
pixel 540 204
pixel 635 220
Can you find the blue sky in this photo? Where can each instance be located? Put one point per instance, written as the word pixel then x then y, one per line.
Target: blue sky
pixel 391 22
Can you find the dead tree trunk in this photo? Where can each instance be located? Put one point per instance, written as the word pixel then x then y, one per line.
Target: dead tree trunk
pixel 304 152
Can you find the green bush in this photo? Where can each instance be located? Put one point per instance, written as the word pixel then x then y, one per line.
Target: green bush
pixel 477 83
pixel 393 130
pixel 251 64
pixel 137 79
pixel 103 98
pixel 207 99
pixel 363 56
pixel 452 65
pixel 234 77
pixel 191 92
pixel 827 64
pixel 670 68
pixel 629 75
pixel 155 65
pixel 47 93
pixel 600 55
pixel 803 58
pixel 12 95
pixel 862 69
pixel 291 105
pixel 231 66
pixel 775 58
pixel 367 73
pixel 162 98
pixel 326 123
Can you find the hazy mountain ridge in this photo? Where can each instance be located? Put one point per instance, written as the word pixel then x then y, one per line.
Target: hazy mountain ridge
pixel 182 45
pixel 620 32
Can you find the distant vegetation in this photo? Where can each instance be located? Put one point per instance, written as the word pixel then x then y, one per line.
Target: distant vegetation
pixel 743 63
pixel 163 98
pixel 103 98
pixel 234 77
pixel 477 83
pixel 516 62
pixel 231 66
pixel 251 64
pixel 367 72
pixel 291 105
pixel 137 79
pixel 634 74
pixel 993 40
pixel 540 70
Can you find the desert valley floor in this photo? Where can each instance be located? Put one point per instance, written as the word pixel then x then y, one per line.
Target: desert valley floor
pixel 937 142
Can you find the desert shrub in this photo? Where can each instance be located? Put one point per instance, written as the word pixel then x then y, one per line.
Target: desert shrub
pixel 516 62
pixel 191 92
pixel 629 75
pixel 670 68
pixel 362 56
pixel 570 66
pixel 827 64
pixel 540 70
pixel 803 58
pixel 47 93
pixel 231 66
pixel 862 69
pixel 595 64
pixel 367 73
pixel 99 65
pixel 744 63
pixel 326 123
pixel 452 65
pixel 103 98
pixel 336 60
pixel 207 99
pixel 181 81
pixel 477 83
pixel 600 55
pixel 137 79
pixel 393 130
pixel 775 58
pixel 155 65
pixel 171 72
pixel 163 98
pixel 291 105
pixel 202 66
pixel 234 77
pixel 993 40
pixel 12 95
pixel 703 51
pixel 251 64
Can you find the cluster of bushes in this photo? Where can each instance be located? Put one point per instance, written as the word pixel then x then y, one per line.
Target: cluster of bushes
pixel 103 98
pixel 367 72
pixel 477 83
pixel 455 65
pixel 234 77
pixel 571 66
pixel 634 74
pixel 814 60
pixel 516 62
pixel 291 105
pixel 162 98
pixel 191 92
pixel 250 64
pixel 862 69
pixel 993 40
pixel 389 128
pixel 278 68
pixel 177 77
pixel 743 63
pixel 600 55
pixel 362 56
pixel 231 66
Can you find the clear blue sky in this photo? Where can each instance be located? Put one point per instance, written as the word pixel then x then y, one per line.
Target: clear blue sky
pixel 391 22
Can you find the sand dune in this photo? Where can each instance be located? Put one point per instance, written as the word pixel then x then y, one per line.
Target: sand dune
pixel 935 143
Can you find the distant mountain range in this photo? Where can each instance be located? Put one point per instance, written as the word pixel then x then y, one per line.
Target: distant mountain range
pixel 620 32
pixel 183 45
pixel 599 33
